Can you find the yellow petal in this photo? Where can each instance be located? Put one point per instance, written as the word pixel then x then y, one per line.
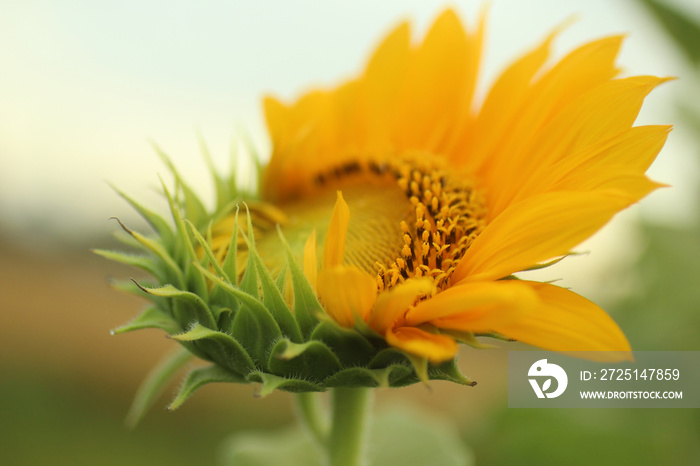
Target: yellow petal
pixel 582 70
pixel 412 340
pixel 632 185
pixel 568 322
pixel 347 293
pixel 475 307
pixel 631 151
pixel 500 106
pixel 310 264
pixel 392 305
pixel 335 237
pixel 438 85
pixel 535 230
pixel 597 116
pixel 385 70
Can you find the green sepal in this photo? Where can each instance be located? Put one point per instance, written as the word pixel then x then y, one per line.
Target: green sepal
pixel 392 357
pixel 306 305
pixel 129 287
pixel 202 376
pixel 449 371
pixel 313 359
pixel 274 300
pixel 255 305
pixel 134 260
pixel 249 282
pixel 281 282
pixel 151 317
pixel 254 154
pixel 358 377
pixel 230 261
pixel 207 251
pixel 155 382
pixel 185 249
pixel 202 313
pixel 255 331
pixel 420 367
pixel 351 348
pixel 194 209
pixel 222 348
pixel 223 189
pixel 123 237
pixel 224 318
pixel 156 222
pixel 157 249
pixel 271 382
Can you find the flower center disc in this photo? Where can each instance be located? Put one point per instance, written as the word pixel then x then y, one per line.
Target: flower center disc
pixel 408 218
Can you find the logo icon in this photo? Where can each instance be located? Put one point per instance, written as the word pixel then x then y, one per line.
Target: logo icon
pixel 542 369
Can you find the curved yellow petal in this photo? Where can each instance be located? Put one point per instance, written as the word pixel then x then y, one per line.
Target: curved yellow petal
pixel 412 340
pixel 475 307
pixel 568 322
pixel 582 70
pixel 596 116
pixel 439 85
pixel 297 131
pixel 633 185
pixel 392 305
pixel 537 229
pixel 335 236
pixel 380 85
pixel 632 151
pixel 347 293
pixel 501 105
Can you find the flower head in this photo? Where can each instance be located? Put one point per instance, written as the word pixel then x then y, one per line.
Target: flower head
pixel 395 211
pixel 441 203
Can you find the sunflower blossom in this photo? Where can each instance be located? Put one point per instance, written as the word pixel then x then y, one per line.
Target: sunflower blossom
pixel 391 219
pixel 413 210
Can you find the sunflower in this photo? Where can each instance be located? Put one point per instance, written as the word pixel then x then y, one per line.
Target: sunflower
pixel 412 206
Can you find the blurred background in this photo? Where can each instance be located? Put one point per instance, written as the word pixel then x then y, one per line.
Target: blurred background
pixel 84 87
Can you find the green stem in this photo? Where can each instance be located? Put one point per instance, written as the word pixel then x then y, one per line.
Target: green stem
pixel 346 445
pixel 312 417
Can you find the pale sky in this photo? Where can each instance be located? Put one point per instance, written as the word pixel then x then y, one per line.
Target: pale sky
pixel 84 85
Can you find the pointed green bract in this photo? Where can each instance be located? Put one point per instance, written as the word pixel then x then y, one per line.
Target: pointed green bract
pixel 273 298
pixel 271 382
pixel 157 222
pixel 194 209
pixel 222 188
pixel 230 262
pixel 200 377
pixel 449 371
pixel 201 312
pixel 306 304
pixel 351 347
pixel 313 359
pixel 157 249
pixel 222 348
pixel 193 277
pixel 151 317
pixel 134 260
pixel 207 250
pixel 154 384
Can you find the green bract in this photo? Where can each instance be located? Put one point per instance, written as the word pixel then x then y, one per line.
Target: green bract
pixel 245 328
